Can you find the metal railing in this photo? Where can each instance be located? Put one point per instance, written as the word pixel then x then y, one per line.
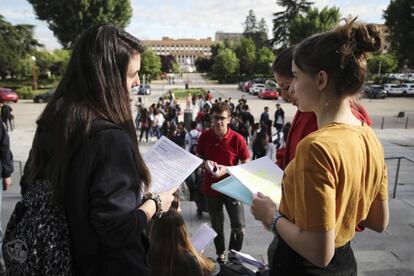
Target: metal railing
pixel 398 170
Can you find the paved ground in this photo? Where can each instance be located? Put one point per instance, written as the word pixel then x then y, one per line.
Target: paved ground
pixel 390 253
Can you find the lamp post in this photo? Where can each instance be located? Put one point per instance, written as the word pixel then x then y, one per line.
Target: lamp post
pixel 34 80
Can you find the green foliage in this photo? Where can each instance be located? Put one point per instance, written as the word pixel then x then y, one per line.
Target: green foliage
pixel 256 31
pixel 203 64
pixel 62 57
pixel 264 60
pixel 181 93
pixel 312 22
pixel 225 65
pixel 283 18
pixel 246 53
pixel 387 62
pixel 150 64
pixel 25 92
pixel 16 42
pixel 399 18
pixel 68 19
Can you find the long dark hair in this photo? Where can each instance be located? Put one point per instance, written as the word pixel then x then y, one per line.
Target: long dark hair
pixel 93 86
pixel 169 243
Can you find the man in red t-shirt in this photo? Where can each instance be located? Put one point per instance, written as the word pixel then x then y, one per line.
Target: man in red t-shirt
pixel 221 147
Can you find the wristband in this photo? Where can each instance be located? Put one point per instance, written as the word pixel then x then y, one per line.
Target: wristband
pixel 272 226
pixel 158 203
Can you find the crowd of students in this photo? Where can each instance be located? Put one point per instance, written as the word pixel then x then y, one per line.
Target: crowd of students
pixel 86 147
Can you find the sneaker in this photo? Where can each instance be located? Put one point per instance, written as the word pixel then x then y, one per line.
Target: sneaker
pixel 221 259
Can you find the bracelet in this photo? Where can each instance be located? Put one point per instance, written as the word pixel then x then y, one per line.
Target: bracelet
pixel 272 226
pixel 158 203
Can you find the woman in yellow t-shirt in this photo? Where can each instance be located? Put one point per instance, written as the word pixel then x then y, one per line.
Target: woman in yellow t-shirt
pixel 338 178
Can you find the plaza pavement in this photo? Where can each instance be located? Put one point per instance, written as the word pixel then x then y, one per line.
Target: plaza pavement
pixel 389 253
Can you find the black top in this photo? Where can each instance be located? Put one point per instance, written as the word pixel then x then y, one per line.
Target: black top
pixel 101 200
pixel 187 266
pixel 6 157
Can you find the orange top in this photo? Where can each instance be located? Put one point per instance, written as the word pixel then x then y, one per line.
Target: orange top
pixel 337 173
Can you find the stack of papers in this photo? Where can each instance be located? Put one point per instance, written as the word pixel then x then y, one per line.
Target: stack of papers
pixel 260 175
pixel 169 165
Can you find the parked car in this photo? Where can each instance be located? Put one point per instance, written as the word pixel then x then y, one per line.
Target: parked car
pixel 255 88
pixel 8 95
pixel 393 89
pixel 407 89
pixel 45 97
pixel 143 89
pixel 375 92
pixel 268 93
pixel 247 85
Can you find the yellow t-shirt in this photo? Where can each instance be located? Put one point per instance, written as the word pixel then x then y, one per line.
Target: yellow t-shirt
pixel 337 173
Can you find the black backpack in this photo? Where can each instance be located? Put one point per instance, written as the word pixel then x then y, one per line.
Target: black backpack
pixel 36 241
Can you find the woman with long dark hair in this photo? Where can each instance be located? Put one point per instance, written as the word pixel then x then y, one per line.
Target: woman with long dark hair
pixel 338 178
pixel 172 250
pixel 86 147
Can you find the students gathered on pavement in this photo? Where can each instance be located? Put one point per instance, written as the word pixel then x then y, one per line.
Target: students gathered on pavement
pixel 335 180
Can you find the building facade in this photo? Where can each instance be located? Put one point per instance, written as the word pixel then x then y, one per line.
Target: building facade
pixel 231 37
pixel 185 51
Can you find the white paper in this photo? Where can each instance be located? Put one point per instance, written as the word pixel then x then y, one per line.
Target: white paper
pixel 246 258
pixel 169 165
pixel 202 237
pixel 260 175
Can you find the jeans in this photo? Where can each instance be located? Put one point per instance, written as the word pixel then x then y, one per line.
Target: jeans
pixel 236 214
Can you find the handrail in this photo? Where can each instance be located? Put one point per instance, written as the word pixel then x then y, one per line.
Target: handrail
pixel 398 170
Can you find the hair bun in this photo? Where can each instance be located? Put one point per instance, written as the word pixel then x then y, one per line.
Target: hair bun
pixel 359 38
pixel 367 38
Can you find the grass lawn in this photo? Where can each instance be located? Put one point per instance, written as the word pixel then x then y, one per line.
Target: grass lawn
pixel 181 93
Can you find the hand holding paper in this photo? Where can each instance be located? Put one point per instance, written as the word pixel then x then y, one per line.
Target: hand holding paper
pixel 260 175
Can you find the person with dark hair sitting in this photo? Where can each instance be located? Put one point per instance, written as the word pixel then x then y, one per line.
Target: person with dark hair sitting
pixel 172 252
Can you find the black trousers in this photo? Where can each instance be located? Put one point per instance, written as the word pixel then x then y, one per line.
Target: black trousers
pixel 236 214
pixel 287 262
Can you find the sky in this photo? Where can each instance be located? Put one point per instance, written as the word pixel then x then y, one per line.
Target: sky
pixel 153 19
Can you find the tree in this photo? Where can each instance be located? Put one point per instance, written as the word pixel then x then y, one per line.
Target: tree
pixel 62 57
pixel 246 53
pixel 257 32
pixel 250 24
pixel 264 61
pixel 167 63
pixel 150 64
pixel 282 19
pixel 68 19
pixel 16 42
pixel 312 22
pixel 381 63
pixel 399 18
pixel 226 64
pixel 203 64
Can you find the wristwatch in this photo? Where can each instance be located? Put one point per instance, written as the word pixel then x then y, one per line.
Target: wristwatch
pixel 158 203
pixel 276 217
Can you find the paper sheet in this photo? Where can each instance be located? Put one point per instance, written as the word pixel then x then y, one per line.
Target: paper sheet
pixel 169 165
pixel 202 237
pixel 260 175
pixel 246 258
pixel 231 187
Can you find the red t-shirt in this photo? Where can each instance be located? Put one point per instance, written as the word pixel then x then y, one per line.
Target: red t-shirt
pixel 303 123
pixel 228 152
